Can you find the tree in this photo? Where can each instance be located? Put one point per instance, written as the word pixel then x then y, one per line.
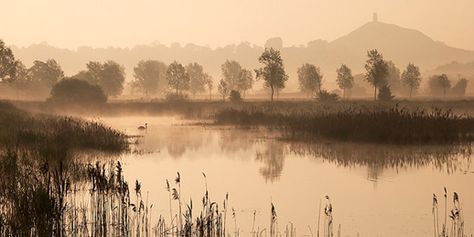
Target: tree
pixel 46 74
pixel 411 78
pixel 246 80
pixel 273 71
pixel 150 76
pixel 234 96
pixel 209 85
pixel 377 70
pixel 344 80
pixel 439 84
pixel 459 89
pixel 393 77
pixel 7 63
pixel 110 76
pixel 197 78
pixel 309 78
pixel 73 91
pixel 223 89
pixel 385 93
pixel 177 77
pixel 236 77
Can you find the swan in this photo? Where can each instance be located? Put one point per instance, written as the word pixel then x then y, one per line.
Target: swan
pixel 143 127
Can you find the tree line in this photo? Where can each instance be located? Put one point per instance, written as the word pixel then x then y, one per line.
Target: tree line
pixel 153 77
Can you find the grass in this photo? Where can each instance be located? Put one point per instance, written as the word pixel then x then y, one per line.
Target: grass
pixel 55 136
pixel 378 125
pixel 79 199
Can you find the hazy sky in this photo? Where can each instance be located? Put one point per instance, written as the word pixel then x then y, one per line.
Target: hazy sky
pixel 99 23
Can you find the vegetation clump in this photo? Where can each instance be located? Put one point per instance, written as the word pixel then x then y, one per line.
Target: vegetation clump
pixel 55 136
pixel 325 96
pixel 392 125
pixel 77 92
pixel 235 96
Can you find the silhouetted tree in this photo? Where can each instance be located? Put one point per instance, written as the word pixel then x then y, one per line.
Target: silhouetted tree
pixel 385 93
pixel 459 89
pixel 246 79
pixel 8 63
pixel 209 85
pixel 47 73
pixel 22 77
pixel 275 42
pixel 197 78
pixel 150 76
pixel 77 92
pixel 393 77
pixel 377 70
pixel 310 79
pixel 234 96
pixel 325 96
pixel 21 80
pixel 411 78
pixel 236 77
pixel 439 84
pixel 110 76
pixel 273 71
pixel 177 77
pixel 344 80
pixel 223 89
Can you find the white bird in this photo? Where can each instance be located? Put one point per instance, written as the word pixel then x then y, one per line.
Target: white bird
pixel 143 127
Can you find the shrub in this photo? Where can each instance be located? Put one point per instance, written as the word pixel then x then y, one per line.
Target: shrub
pixel 77 92
pixel 325 96
pixel 385 94
pixel 235 96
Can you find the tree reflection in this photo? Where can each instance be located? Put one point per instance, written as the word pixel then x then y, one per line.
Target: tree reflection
pixel 273 159
pixel 377 157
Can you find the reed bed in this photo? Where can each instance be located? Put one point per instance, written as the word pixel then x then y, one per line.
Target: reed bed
pixel 53 136
pixel 377 125
pixel 77 199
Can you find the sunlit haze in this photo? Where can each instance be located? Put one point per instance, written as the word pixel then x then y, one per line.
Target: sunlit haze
pixel 125 23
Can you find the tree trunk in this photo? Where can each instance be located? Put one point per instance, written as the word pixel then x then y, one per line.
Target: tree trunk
pixel 271 87
pixel 375 93
pixel 411 91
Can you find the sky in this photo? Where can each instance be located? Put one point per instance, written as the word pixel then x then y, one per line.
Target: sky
pixel 125 23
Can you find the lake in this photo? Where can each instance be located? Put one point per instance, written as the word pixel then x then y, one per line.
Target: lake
pixel 375 190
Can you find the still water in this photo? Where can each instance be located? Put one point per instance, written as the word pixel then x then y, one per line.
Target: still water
pixel 375 190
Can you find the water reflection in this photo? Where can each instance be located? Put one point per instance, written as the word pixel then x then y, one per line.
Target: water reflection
pixel 273 159
pixel 264 147
pixel 377 158
pixel 256 168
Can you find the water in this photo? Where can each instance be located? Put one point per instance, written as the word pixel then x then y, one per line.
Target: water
pixel 375 190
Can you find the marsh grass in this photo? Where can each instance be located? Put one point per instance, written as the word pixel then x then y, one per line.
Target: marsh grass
pixel 378 125
pixel 455 225
pixel 56 136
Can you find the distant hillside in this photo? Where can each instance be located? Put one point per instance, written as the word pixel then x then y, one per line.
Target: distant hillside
pixel 398 44
pixel 455 68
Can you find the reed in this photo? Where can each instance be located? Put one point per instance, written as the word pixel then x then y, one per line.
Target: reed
pixel 457 225
pixel 377 125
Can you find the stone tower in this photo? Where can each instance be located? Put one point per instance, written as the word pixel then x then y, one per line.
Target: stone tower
pixel 375 17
